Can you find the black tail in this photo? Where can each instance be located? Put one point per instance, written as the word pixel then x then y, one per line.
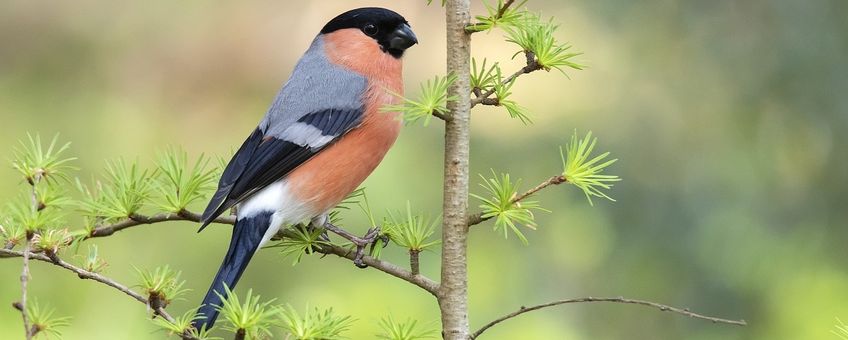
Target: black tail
pixel 247 234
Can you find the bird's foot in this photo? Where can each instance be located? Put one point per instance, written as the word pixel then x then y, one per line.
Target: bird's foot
pixel 371 237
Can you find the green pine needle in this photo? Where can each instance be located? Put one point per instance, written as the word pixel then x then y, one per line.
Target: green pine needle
pixel 22 215
pixel 502 93
pixel 482 77
pixel 302 241
pixel 431 1
pixel 51 196
pixel 534 35
pixel 93 262
pixel 406 330
pixel 51 241
pixel 183 324
pixel 314 324
pixel 180 186
pixel 252 317
pixel 586 173
pixel 162 284
pixel 512 16
pixel 34 161
pixel 499 204
pixel 124 192
pixel 12 233
pixel 841 330
pixel 411 231
pixel 434 99
pixel 354 197
pixel 43 321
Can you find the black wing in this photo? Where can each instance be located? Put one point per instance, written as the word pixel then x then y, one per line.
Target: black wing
pixel 264 159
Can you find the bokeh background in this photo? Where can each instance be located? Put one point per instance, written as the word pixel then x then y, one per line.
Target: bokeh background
pixel 726 116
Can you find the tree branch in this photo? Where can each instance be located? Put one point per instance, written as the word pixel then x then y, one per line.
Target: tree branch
pixel 555 180
pixel 441 116
pixel 22 305
pixel 503 9
pixel 661 307
pixel 392 269
pixel 36 207
pixel 137 220
pixel 389 268
pixel 87 275
pixel 415 261
pixel 532 65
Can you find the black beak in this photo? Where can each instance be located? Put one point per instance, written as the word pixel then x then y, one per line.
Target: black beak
pixel 402 38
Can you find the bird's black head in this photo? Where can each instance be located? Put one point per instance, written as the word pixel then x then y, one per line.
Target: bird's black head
pixel 388 28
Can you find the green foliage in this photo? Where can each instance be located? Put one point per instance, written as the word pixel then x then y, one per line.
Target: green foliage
pixel 512 16
pixel 434 99
pixel 51 241
pixel 183 324
pixel 502 92
pixel 301 241
pixel 841 330
pixel 500 205
pixel 162 284
pixel 21 214
pixel 491 78
pixel 407 330
pixel 354 197
pixel 35 162
pixel 534 35
pixel 483 77
pixel 44 322
pixel 411 231
pixel 584 173
pixel 252 317
pixel 124 193
pixel 179 186
pixel 51 196
pixel 314 324
pixel 12 233
pixel 93 262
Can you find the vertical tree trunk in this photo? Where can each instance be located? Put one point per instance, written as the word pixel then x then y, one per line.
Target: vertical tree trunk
pixel 453 295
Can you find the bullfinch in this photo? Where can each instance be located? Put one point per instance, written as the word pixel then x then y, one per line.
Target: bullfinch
pixel 322 136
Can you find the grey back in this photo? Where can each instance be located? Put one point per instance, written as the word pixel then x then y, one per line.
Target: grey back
pixel 328 87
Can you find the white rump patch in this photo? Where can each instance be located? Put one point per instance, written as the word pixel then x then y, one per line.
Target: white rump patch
pixel 278 199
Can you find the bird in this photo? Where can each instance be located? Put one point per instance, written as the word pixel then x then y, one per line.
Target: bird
pixel 323 134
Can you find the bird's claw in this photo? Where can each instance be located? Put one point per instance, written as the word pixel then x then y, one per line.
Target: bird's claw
pixel 371 237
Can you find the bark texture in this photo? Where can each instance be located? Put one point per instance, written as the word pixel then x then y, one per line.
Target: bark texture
pixel 453 292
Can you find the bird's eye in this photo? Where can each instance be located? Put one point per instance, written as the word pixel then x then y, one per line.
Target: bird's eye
pixel 370 29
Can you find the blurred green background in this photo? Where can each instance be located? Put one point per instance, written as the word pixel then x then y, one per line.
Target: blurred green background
pixel 725 116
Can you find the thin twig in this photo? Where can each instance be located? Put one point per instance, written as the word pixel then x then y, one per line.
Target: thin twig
pixel 555 180
pixel 661 307
pixel 415 261
pixel 503 9
pixel 24 280
pixel 392 269
pixel 532 65
pixel 137 219
pixel 441 116
pixel 28 331
pixel 82 273
pixel 87 275
pixel 389 268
